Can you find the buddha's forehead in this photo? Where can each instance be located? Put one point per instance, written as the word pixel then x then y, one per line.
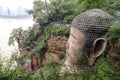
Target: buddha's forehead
pixel 94 20
pixel 77 34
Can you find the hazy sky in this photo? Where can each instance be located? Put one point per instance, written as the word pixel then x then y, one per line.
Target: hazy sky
pixel 12 4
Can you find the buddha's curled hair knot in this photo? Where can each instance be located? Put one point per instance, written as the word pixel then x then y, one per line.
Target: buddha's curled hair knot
pixel 93 21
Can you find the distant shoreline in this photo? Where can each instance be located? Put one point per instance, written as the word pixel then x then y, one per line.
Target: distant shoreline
pixel 16 17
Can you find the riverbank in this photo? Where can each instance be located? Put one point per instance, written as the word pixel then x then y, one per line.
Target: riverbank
pixel 7 25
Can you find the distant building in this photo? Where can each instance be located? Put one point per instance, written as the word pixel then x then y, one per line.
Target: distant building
pixel 1 10
pixel 19 12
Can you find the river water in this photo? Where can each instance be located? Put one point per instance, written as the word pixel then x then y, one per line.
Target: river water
pixel 6 26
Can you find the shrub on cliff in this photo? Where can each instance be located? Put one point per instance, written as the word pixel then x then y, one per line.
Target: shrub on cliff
pixel 114 31
pixel 57 30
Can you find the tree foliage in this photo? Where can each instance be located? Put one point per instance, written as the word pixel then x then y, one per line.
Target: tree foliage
pixel 39 12
pixel 114 31
pixel 109 6
pixel 56 11
pixel 66 10
pixel 14 35
pixel 51 72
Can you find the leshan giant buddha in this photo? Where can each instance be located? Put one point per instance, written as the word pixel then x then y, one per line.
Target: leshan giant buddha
pixel 87 40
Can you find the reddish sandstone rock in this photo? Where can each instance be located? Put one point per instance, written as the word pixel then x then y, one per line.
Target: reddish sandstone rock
pixel 55 53
pixel 37 63
pixel 57 49
pixel 114 53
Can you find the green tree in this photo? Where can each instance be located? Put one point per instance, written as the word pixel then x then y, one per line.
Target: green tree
pixel 109 6
pixel 39 12
pixel 56 10
pixel 15 34
pixel 64 10
pixel 114 31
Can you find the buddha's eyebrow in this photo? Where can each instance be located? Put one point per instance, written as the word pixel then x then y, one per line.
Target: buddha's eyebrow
pixel 73 36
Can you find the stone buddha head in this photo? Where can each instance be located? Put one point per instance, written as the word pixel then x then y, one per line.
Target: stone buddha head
pixel 87 40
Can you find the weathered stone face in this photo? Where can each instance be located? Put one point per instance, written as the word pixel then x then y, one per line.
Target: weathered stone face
pixel 87 40
pixel 74 49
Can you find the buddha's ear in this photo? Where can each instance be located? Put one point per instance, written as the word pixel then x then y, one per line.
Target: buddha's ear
pixel 98 48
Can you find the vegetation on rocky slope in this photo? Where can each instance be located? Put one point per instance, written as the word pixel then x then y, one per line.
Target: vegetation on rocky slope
pixel 35 41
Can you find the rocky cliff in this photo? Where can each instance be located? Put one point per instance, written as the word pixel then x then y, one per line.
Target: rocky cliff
pixel 35 52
